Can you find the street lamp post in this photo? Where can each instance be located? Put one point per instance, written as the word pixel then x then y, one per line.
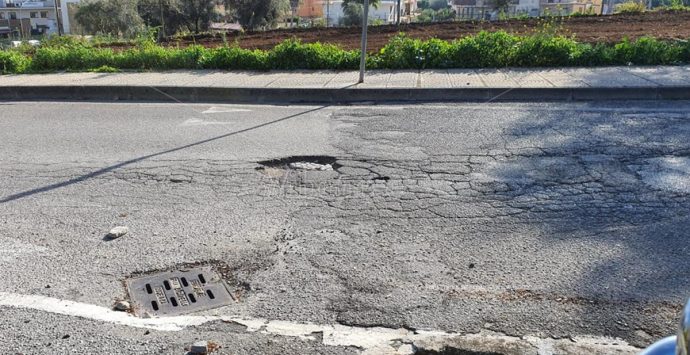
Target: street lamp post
pixel 57 17
pixel 363 58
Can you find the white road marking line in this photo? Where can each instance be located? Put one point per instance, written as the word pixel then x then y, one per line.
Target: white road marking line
pixel 375 340
pixel 217 109
pixel 201 122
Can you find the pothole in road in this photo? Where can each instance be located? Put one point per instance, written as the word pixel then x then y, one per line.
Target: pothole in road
pixel 185 289
pixel 301 163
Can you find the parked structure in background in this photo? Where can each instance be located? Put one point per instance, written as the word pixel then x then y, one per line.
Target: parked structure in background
pixel 489 9
pixel 483 9
pixel 332 11
pixel 26 18
pixel 569 7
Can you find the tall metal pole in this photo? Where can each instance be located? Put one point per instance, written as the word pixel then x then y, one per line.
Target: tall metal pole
pixel 328 12
pixel 363 59
pixel 57 18
pixel 161 36
pixel 397 17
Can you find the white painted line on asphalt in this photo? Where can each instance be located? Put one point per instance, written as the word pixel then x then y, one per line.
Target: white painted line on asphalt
pixel 217 109
pixel 201 122
pixel 89 311
pixel 374 340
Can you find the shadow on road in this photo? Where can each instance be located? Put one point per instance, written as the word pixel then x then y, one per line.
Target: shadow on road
pixel 609 190
pixel 110 168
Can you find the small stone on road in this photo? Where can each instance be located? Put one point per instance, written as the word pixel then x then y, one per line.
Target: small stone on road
pixel 117 232
pixel 121 306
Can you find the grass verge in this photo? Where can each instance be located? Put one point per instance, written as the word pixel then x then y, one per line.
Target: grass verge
pixel 484 50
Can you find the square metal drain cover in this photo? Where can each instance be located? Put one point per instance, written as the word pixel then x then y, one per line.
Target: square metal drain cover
pixel 178 292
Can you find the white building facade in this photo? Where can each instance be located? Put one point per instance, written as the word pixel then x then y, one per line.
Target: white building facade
pixel 386 11
pixel 25 18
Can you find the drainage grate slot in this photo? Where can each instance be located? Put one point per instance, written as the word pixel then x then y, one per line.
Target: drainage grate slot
pixel 178 292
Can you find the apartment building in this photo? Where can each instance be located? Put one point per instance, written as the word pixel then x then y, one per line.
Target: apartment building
pixel 24 18
pixel 488 9
pixel 332 10
pixel 568 7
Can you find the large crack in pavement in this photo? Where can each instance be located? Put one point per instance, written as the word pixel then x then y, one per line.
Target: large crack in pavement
pixel 519 228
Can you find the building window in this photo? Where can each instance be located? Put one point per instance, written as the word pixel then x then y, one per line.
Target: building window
pixel 44 14
pixel 2 15
pixel 13 15
pixel 33 14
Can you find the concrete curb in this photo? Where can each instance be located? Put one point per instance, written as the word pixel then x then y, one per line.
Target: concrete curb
pixel 336 95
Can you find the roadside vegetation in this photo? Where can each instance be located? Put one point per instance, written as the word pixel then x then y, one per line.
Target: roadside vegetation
pixel 484 50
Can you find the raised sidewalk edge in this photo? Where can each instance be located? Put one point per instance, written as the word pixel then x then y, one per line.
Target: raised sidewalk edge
pixel 189 94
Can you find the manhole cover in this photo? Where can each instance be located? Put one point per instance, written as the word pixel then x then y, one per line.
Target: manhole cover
pixel 177 292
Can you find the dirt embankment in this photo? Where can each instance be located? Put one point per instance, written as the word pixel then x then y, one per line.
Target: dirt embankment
pixel 662 25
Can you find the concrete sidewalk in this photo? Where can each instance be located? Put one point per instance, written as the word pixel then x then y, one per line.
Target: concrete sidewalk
pixel 330 86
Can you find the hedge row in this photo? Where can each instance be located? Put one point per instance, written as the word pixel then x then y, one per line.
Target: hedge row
pixel 484 50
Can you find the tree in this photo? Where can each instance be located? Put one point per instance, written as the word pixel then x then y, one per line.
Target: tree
pixel 353 11
pixel 256 14
pixel 174 16
pixel 113 17
pixel 438 4
pixel 198 14
pixel 374 3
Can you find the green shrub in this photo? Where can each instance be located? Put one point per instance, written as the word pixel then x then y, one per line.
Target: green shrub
pixel 401 52
pixel 647 51
pixel 597 55
pixel 293 54
pixel 235 58
pixel 71 58
pixel 545 51
pixel 486 49
pixel 12 62
pixel 631 7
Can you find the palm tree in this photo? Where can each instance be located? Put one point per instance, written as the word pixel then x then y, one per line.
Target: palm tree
pixel 354 10
pixel 374 3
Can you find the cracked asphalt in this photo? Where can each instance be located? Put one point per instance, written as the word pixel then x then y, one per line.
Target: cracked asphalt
pixel 549 220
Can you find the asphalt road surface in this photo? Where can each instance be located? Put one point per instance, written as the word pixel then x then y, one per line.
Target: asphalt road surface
pixel 335 227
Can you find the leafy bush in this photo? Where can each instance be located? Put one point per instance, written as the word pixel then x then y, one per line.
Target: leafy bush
pixel 486 49
pixel 401 52
pixel 545 51
pixel 13 62
pixel 71 58
pixel 292 54
pixel 631 7
pixel 483 50
pixel 597 55
pixel 647 51
pixel 234 58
